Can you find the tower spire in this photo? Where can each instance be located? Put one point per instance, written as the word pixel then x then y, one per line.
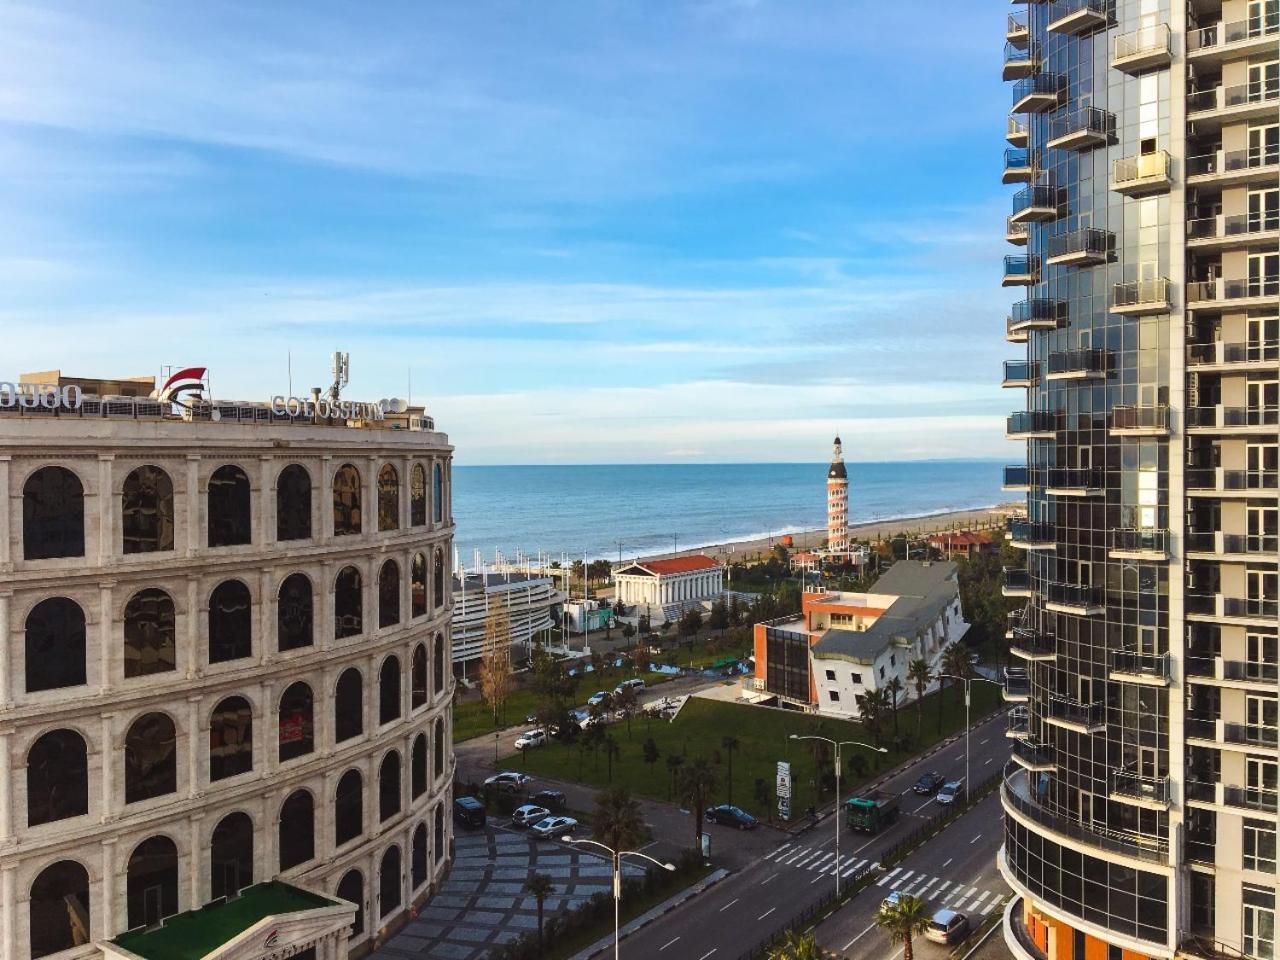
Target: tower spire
pixel 837 501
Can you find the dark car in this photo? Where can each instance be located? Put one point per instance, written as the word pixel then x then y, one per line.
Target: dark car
pixel 553 800
pixel 928 785
pixel 468 812
pixel 731 816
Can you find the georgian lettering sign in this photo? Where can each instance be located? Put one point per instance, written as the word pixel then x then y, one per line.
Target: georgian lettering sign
pixel 49 396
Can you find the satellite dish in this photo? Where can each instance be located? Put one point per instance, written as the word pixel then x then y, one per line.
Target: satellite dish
pixel 215 414
pixel 396 405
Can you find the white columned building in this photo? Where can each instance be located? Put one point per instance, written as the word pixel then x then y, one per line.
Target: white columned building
pixel 665 589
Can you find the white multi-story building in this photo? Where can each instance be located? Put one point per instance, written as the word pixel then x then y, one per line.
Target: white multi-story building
pixel 224 673
pixel 527 600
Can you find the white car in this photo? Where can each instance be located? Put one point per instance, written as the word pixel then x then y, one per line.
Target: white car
pixel 552 827
pixel 531 738
pixel 597 698
pixel 508 780
pixel 529 814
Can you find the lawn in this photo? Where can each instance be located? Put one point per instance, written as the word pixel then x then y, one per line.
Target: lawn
pixel 763 739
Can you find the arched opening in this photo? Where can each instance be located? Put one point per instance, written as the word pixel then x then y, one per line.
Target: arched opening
pixel 297 829
pixel 230 622
pixel 230 521
pixel 294 613
pixel 389 594
pixel 418 586
pixel 231 855
pixel 59 909
pixel 418 858
pixel 437 579
pixel 351 889
pixel 348 604
pixel 57 777
pixel 348 808
pixel 52 515
pixel 389 690
pixel 389 882
pixel 418 496
pixel 418 767
pixel 438 664
pixel 388 498
pixel 150 637
pixel 293 503
pixel 297 722
pixel 151 884
pixel 230 739
pixel 389 786
pixel 418 677
pixel 437 493
pixel 55 645
pixel 439 831
pixel 348 705
pixel 439 748
pixel 146 511
pixel 346 501
pixel 150 758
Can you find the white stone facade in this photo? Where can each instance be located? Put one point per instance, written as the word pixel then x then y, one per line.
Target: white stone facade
pixel 658 584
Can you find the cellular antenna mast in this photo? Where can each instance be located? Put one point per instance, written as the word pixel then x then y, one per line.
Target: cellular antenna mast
pixel 341 374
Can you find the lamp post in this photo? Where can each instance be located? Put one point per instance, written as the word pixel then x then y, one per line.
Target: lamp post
pixel 617 856
pixel 837 745
pixel 967 681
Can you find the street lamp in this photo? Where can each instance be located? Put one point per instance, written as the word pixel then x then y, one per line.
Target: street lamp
pixel 838 745
pixel 968 784
pixel 617 856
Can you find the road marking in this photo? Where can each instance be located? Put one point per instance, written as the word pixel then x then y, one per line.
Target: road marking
pixel 729 904
pixel 763 882
pixel 989 759
pixel 775 853
pixel 854 869
pixel 921 892
pixel 923 805
pixel 985 894
pixel 948 863
pixel 818 879
pixel 975 839
pixel 708 953
pixel 803 855
pixel 990 906
pixel 858 937
pixel 972 891
pixel 667 944
pixel 885 879
pixel 985 742
pixel 763 915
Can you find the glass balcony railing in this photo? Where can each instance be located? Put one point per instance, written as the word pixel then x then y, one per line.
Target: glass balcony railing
pixel 1069 478
pixel 1083 126
pixel 1035 197
pixel 1079 16
pixel 1238 31
pixel 1081 246
pixel 1030 532
pixel 1151 666
pixel 1128 783
pixel 1250 734
pixel 1258 351
pixel 1238 543
pixel 1038 312
pixel 1038 92
pixel 1073 594
pixel 1017 29
pixel 1226 228
pixel 1141 295
pixel 1210 478
pixel 1223 290
pixel 1017 475
pixel 1148 44
pixel 1021 270
pixel 1154 418
pixel 1031 421
pixel 1225 417
pixel 1016 133
pixel 1066 363
pixel 1243 798
pixel 1028 642
pixel 1231 161
pixel 1236 95
pixel 1018 724
pixel 1034 753
pixel 1146 172
pixel 1140 541
pixel 1253 608
pixel 1017 578
pixel 1017 685
pixel 1243 671
pixel 1021 371
pixel 1088 715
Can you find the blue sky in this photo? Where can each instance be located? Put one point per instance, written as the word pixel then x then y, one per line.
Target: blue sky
pixel 591 231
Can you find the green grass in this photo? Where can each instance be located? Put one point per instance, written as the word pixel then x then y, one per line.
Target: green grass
pixel 763 737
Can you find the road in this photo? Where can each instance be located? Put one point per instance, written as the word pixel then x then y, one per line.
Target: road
pixel 735 914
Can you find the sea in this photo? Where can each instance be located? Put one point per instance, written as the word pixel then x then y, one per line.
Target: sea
pixel 636 510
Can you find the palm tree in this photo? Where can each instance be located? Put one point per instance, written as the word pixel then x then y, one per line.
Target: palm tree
pixel 903 921
pixel 797 946
pixel 611 750
pixel 955 661
pixel 894 689
pixel 730 744
pixel 871 705
pixel 919 674
pixel 674 762
pixel 617 821
pixel 698 782
pixel 539 887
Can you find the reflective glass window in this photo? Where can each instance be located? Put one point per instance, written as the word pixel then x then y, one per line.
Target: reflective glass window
pixel 52 515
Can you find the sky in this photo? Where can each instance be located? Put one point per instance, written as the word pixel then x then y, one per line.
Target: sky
pixel 579 232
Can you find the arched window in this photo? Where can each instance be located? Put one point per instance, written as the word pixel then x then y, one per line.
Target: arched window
pixel 437 579
pixel 294 617
pixel 418 496
pixel 146 511
pixel 389 690
pixel 389 786
pixel 150 758
pixel 438 664
pixel 150 639
pixel 230 523
pixel 388 498
pixel 437 493
pixel 59 908
pixel 418 586
pixel 348 808
pixel 439 832
pixel 55 645
pixel 297 829
pixel 418 677
pixel 389 594
pixel 230 622
pixel 348 705
pixel 351 889
pixel 297 722
pixel 346 501
pixel 52 515
pixel 230 739
pixel 348 604
pixel 231 855
pixel 418 767
pixel 418 858
pixel 389 882
pixel 439 748
pixel 57 778
pixel 152 882
pixel 293 503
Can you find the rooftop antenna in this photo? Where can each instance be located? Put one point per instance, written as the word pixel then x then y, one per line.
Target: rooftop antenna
pixel 341 374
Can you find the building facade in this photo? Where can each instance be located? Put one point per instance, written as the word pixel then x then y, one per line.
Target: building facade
pixel 1140 803
pixel 225 661
pixel 664 589
pixel 527 602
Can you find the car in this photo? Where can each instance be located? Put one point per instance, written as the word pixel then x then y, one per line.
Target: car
pixel 531 738
pixel 928 785
pixel 635 684
pixel 531 718
pixel 468 812
pixel 947 927
pixel 553 800
pixel 731 816
pixel 952 792
pixel 597 698
pixel 553 827
pixel 509 781
pixel 892 900
pixel 529 814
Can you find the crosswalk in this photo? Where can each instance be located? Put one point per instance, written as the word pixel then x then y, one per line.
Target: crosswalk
pixel 820 861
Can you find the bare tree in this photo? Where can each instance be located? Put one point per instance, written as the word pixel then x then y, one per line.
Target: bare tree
pixel 496 678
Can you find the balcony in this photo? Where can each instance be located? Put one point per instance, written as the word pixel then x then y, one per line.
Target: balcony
pixel 1233 420
pixel 1080 248
pixel 1018 724
pixel 1142 49
pixel 1225 546
pixel 1014 334
pixel 1016 233
pixel 1034 755
pixel 1255 611
pixel 1147 669
pixel 1020 165
pixel 1139 544
pixel 1020 61
pixel 1143 175
pixel 1021 271
pixel 1078 17
pixel 1028 535
pixel 1070 481
pixel 1128 786
pixel 1017 582
pixel 1038 93
pixel 1141 297
pixel 1223 672
pixel 1077 365
pixel 1083 129
pixel 1231 168
pixel 1038 313
pixel 1032 645
pixel 1217 482
pixel 1016 688
pixel 1071 714
pixel 1017 479
pixel 1250 734
pixel 1232 233
pixel 1148 421
pixel 1243 293
pixel 1032 424
pixel 1241 798
pixel 1209 109
pixel 1036 203
pixel 1083 600
pixel 1021 373
pixel 1260 353
pixel 1224 41
pixel 1017 134
pixel 1017 32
